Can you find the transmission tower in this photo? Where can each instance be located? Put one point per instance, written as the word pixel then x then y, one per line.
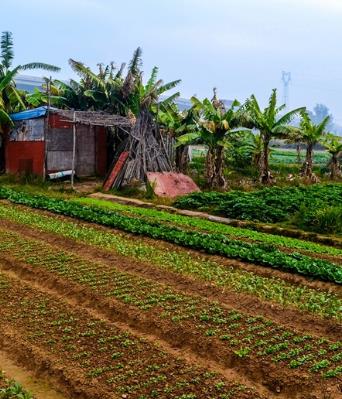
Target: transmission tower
pixel 286 78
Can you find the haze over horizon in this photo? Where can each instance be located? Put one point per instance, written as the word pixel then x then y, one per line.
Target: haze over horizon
pixel 239 47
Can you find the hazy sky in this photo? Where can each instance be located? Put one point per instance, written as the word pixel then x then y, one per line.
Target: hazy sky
pixel 240 46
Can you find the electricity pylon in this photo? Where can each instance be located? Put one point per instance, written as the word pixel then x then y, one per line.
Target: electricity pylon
pixel 286 78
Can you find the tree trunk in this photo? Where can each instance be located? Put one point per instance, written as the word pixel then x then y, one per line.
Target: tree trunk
pixel 182 158
pixel 265 175
pixel 2 154
pixel 299 158
pixel 307 166
pixel 335 170
pixel 218 180
pixel 209 166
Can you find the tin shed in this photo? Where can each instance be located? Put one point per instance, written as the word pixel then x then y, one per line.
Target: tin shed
pixel 43 141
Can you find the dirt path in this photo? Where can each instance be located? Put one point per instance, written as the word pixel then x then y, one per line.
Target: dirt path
pixel 40 387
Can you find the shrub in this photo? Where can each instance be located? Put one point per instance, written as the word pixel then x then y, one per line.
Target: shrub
pixel 322 220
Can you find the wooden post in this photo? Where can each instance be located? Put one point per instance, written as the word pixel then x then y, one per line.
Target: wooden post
pixel 73 150
pixel 47 125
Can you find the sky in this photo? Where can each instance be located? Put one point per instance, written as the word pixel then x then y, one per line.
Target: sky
pixel 241 46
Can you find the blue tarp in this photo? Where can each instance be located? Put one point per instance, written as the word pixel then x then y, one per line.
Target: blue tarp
pixel 29 114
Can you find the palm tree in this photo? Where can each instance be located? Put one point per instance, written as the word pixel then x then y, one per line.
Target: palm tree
pixel 312 134
pixel 271 123
pixel 11 99
pixel 333 144
pixel 214 126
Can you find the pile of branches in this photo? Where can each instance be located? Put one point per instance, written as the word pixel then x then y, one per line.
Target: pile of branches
pixel 147 151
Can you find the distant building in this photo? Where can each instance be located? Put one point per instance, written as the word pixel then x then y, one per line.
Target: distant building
pixel 29 83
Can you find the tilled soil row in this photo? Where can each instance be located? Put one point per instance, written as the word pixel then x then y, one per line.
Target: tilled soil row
pixel 188 333
pixel 95 358
pixel 250 304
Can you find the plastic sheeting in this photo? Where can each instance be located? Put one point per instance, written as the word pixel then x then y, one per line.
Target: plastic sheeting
pixel 29 114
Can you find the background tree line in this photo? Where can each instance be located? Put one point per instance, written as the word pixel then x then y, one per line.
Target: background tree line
pixel 224 131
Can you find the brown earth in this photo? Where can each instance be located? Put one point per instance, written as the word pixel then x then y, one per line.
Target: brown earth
pixel 39 387
pixel 267 378
pixel 70 378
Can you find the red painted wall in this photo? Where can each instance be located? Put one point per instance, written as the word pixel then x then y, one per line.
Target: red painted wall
pixel 56 121
pixel 21 156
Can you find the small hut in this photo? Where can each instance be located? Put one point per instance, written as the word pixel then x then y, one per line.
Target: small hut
pixel 48 140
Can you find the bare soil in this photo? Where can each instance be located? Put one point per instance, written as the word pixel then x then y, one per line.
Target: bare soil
pixel 40 387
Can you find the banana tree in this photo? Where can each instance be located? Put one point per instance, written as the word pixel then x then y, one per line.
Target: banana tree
pixel 70 95
pixel 271 123
pixel 11 99
pixel 177 123
pixel 333 145
pixel 99 90
pixel 109 90
pixel 295 137
pixel 214 126
pixel 312 134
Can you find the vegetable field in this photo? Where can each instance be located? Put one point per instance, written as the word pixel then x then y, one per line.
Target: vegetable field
pixel 115 301
pixel 314 208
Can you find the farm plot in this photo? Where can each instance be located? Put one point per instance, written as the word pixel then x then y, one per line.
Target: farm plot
pixel 229 277
pixel 98 356
pixel 262 334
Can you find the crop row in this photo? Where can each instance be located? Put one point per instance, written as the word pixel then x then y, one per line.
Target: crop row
pixel 211 243
pixel 236 333
pixel 267 288
pixel 105 355
pixel 211 227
